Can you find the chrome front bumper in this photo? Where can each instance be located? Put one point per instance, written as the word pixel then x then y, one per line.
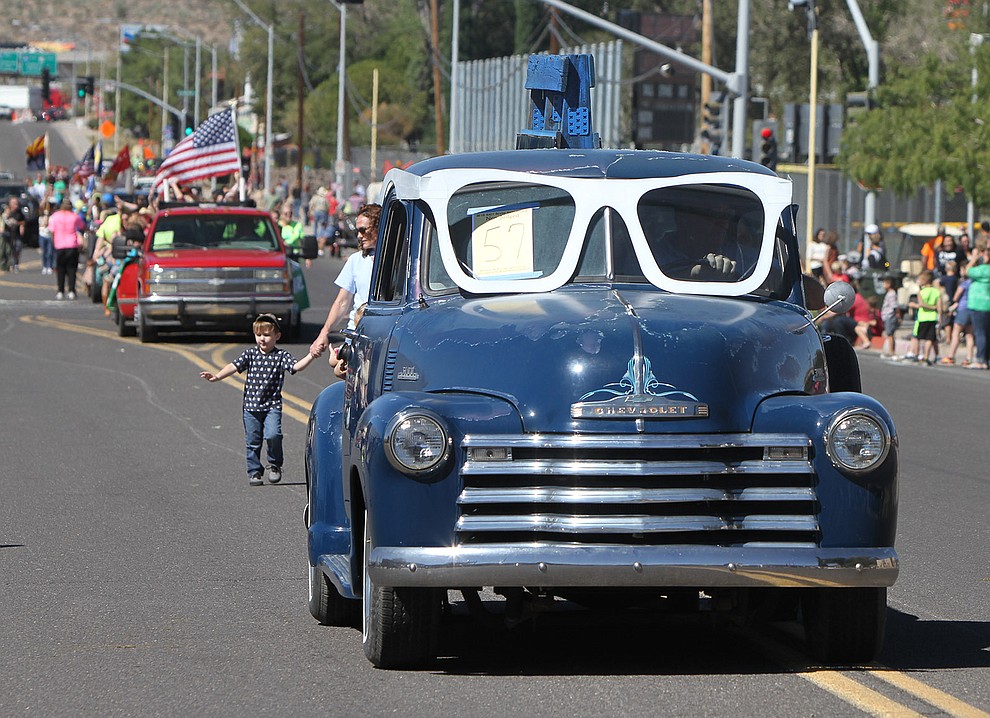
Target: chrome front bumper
pixel 172 311
pixel 545 566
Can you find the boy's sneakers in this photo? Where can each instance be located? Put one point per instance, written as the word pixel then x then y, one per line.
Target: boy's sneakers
pixel 255 480
pixel 274 474
pixel 59 295
pixel 71 295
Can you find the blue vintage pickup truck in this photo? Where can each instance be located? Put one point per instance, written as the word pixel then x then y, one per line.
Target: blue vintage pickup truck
pixel 592 375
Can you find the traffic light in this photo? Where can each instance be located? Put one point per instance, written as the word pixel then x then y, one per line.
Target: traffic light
pixel 84 86
pixel 187 125
pixel 46 84
pixel 768 150
pixel 712 131
pixel 856 104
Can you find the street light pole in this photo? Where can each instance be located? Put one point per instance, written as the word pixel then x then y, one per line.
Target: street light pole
pixel 268 109
pixel 809 228
pixel 341 79
pixel 812 11
pixel 873 61
pixel 268 93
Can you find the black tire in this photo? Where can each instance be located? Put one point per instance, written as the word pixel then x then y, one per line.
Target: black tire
pixel 146 333
pixel 124 329
pixel 843 365
pixel 295 323
pixel 329 607
pixel 844 625
pixel 96 291
pixel 400 627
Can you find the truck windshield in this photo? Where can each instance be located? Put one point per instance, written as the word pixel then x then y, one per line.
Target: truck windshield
pixel 214 232
pixel 701 236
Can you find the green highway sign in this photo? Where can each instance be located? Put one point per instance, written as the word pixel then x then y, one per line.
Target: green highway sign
pixel 32 63
pixel 27 62
pixel 8 62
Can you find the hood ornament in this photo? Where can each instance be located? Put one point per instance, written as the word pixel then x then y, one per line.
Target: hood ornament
pixel 639 395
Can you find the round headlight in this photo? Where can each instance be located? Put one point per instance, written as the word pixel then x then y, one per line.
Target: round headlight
pixel 416 442
pixel 857 441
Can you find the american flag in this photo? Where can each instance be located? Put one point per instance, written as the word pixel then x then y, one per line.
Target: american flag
pixel 210 151
pixel 84 168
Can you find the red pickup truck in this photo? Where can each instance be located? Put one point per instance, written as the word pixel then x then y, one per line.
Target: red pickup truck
pixel 209 267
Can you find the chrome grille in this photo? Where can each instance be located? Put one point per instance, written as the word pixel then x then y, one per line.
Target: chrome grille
pixel 696 489
pixel 212 281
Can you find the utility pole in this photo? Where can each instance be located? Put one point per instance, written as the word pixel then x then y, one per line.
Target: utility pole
pixel 706 57
pixel 554 42
pixel 812 11
pixel 299 104
pixel 437 86
pixel 165 99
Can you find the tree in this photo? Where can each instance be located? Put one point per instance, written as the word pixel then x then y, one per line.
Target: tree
pixel 926 127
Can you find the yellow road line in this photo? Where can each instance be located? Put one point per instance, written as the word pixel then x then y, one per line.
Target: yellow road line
pixel 866 699
pixel 28 285
pixel 933 696
pixel 192 357
pixel 858 695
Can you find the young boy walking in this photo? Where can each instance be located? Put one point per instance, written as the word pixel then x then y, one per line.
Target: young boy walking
pixel 266 365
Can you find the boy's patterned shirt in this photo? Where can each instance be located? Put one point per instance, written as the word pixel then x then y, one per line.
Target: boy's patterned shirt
pixel 265 376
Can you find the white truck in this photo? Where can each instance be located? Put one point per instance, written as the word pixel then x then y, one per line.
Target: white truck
pixel 20 98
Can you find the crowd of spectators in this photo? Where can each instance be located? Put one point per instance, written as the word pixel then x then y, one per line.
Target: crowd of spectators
pixel 79 252
pixel 948 316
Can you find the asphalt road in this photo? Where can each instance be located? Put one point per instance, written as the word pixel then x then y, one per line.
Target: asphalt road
pixel 141 575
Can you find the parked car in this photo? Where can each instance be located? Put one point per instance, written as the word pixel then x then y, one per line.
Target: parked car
pixel 210 267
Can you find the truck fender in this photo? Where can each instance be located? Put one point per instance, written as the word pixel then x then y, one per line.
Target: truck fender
pixel 329 530
pixel 855 509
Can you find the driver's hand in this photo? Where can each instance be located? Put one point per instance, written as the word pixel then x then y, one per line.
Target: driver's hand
pixel 714 266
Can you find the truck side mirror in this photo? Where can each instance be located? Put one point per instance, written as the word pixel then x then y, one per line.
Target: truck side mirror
pixel 308 248
pixel 120 248
pixel 839 297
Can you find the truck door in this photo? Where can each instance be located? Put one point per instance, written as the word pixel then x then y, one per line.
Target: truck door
pixel 383 312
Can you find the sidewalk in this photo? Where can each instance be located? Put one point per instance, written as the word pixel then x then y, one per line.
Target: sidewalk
pixel 902 345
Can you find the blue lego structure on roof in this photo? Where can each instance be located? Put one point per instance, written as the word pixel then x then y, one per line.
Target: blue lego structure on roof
pixel 560 91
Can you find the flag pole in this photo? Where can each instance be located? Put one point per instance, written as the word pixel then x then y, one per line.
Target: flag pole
pixel 241 185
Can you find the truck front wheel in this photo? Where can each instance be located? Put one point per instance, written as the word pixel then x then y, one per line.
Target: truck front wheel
pixel 844 625
pixel 123 328
pixel 146 333
pixel 326 605
pixel 400 626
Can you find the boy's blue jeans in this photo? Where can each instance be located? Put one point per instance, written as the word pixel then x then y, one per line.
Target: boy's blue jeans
pixel 267 426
